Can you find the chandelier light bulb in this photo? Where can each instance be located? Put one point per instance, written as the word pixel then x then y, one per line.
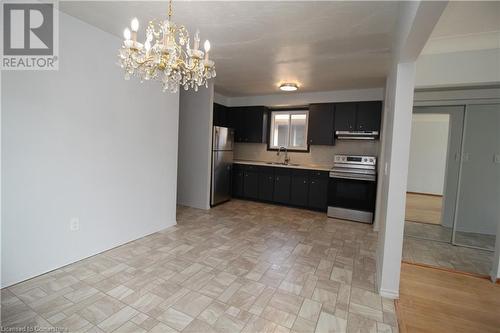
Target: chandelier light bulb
pixel 207 46
pixel 147 45
pixel 134 24
pixel 126 34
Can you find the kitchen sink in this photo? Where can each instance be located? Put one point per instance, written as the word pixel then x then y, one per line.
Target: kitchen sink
pixel 281 163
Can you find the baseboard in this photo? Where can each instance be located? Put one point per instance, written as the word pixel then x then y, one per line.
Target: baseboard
pixel 449 270
pixel 429 194
pixel 389 293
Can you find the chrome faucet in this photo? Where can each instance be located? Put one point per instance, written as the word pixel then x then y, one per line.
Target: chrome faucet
pixel 287 159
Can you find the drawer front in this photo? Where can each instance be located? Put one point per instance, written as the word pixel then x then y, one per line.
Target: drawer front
pixel 318 174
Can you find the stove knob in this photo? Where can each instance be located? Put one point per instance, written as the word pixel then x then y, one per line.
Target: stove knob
pixel 365 159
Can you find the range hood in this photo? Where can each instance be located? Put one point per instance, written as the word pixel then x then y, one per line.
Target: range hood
pixel 356 135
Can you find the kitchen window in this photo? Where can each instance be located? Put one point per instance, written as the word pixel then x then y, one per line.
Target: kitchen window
pixel 289 130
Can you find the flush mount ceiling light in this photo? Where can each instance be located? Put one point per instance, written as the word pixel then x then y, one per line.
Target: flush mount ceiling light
pixel 166 55
pixel 289 87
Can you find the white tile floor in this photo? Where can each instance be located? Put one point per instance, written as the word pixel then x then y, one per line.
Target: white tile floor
pixel 241 267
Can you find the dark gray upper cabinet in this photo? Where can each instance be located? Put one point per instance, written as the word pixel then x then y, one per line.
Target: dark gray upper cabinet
pixel 345 116
pixel 358 116
pixel 320 129
pixel 368 116
pixel 220 115
pixel 249 123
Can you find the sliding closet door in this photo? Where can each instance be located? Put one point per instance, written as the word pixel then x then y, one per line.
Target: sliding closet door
pixel 477 215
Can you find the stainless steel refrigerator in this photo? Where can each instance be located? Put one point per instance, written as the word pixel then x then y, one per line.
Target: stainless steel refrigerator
pixel 222 164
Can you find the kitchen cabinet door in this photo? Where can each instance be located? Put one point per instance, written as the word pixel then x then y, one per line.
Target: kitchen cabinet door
pixel 238 176
pixel 220 115
pixel 321 129
pixel 266 185
pixel 251 185
pixel 255 124
pixel 299 190
pixel 318 190
pixel 282 181
pixel 345 116
pixel 368 116
pixel 236 119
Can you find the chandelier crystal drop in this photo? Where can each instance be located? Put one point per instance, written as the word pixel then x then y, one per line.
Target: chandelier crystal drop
pixel 166 55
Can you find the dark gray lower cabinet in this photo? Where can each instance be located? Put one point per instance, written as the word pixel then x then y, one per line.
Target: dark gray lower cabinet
pixel 318 191
pixel 295 187
pixel 251 184
pixel 282 180
pixel 238 176
pixel 266 185
pixel 299 191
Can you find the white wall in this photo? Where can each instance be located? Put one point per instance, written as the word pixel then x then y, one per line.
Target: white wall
pixel 428 152
pixel 465 68
pixel 195 145
pixel 416 19
pixel 83 142
pixel 479 194
pixel 298 98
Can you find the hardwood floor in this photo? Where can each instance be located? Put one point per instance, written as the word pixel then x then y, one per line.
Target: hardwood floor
pixel 436 300
pixel 423 208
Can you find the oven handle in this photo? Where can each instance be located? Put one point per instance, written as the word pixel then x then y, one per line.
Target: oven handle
pixel 337 175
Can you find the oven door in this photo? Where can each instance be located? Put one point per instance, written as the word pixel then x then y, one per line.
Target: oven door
pixel 352 197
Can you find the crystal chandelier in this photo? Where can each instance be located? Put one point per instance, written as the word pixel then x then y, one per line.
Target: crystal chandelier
pixel 166 55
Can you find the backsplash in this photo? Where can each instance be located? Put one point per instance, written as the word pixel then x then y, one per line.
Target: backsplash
pixel 317 155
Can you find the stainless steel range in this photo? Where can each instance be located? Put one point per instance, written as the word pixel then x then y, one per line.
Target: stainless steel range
pixel 352 188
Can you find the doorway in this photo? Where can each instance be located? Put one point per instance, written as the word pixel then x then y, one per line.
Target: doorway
pixel 453 187
pixel 433 172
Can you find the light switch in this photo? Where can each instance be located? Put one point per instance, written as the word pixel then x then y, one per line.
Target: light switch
pixel 496 159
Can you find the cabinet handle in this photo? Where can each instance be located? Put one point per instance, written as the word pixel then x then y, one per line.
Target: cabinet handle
pixel 305 182
pixel 312 182
pixel 277 178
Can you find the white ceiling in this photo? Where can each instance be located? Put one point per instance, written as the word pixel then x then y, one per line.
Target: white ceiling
pixel 465 26
pixel 256 45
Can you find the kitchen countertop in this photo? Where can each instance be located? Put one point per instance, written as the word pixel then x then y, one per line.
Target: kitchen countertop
pixel 290 166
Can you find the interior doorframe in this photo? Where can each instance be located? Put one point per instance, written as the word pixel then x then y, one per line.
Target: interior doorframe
pixel 433 109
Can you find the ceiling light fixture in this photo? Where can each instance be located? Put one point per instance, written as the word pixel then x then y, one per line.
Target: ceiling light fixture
pixel 166 55
pixel 289 87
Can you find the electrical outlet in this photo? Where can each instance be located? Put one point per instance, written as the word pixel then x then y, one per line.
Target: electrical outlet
pixel 496 159
pixel 74 224
pixel 466 157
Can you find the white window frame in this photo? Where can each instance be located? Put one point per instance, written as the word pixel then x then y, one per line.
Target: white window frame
pixel 290 112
